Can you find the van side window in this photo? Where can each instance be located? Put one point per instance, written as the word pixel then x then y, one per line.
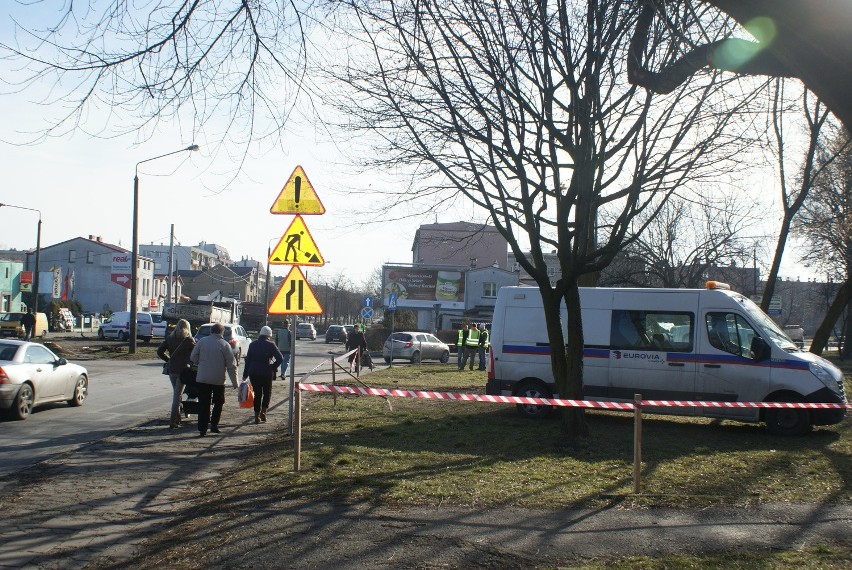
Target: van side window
pixel 652 330
pixel 731 333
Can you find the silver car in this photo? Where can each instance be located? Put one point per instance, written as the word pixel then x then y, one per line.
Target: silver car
pixel 235 335
pixel 31 375
pixel 416 347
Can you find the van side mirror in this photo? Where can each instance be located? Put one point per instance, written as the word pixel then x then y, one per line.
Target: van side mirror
pixel 760 349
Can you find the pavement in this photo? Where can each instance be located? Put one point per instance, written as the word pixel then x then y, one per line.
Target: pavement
pixel 96 506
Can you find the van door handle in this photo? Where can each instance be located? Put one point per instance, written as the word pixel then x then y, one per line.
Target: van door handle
pixel 675 363
pixel 712 366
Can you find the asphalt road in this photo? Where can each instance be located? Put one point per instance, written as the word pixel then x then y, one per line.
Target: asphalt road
pixel 121 395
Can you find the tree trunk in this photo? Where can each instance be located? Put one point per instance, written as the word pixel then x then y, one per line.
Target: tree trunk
pixel 574 419
pixel 823 333
pixel 769 289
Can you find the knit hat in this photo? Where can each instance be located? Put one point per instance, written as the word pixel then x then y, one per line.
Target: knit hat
pixel 265 331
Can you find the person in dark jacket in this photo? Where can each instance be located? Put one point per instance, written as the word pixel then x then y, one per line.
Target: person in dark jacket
pixel 261 361
pixel 179 347
pixel 28 321
pixel 359 341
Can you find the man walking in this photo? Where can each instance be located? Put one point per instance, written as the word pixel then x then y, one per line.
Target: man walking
pixel 28 321
pixel 215 359
pixel 283 341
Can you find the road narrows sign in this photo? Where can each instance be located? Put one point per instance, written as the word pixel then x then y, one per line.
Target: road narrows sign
pixel 295 296
pixel 298 196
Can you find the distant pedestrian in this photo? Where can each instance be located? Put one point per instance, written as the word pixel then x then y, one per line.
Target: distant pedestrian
pixel 357 340
pixel 284 341
pixel 215 359
pixel 483 345
pixel 28 321
pixel 179 347
pixel 471 346
pixel 262 358
pixel 460 344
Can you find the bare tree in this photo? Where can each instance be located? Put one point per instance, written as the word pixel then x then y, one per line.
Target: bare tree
pixel 803 39
pixel 229 70
pixel 793 192
pixel 826 223
pixel 520 109
pixel 683 241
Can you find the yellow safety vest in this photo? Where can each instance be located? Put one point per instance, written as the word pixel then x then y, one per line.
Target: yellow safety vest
pixel 473 337
pixel 460 341
pixel 485 339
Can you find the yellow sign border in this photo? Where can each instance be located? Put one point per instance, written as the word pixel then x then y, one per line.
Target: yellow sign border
pixel 298 219
pixel 310 304
pixel 287 204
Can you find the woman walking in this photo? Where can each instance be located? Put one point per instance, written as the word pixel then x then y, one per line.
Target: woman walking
pixel 359 341
pixel 261 361
pixel 179 346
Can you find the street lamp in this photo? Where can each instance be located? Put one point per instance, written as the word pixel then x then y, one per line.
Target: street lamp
pixel 38 252
pixel 134 254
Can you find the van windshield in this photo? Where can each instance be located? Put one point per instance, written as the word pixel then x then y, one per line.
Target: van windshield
pixel 772 330
pixel 11 317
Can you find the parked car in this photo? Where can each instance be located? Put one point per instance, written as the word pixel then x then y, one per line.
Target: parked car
pixel 10 325
pixel 415 346
pixel 32 375
pixel 236 336
pixel 306 330
pixel 118 326
pixel 336 333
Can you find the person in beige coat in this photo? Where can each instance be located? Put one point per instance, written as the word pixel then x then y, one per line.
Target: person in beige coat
pixel 215 360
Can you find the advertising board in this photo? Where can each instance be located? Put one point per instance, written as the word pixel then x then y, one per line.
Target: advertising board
pixel 417 287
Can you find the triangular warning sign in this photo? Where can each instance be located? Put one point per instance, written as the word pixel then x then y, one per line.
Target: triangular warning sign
pixel 295 297
pixel 296 247
pixel 298 196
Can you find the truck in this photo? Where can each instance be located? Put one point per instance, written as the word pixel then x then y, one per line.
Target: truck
pixel 252 316
pixel 710 344
pixel 202 312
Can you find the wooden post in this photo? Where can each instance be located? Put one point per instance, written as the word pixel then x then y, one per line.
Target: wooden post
pixel 297 436
pixel 333 379
pixel 637 443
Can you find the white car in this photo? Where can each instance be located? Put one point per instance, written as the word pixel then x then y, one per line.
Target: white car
pixel 118 326
pixel 236 336
pixel 306 330
pixel 415 347
pixel 31 375
pixel 160 326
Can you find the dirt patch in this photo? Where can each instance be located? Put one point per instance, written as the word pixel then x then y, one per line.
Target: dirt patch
pixel 87 346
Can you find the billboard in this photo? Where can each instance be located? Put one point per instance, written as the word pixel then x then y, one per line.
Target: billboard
pixel 418 287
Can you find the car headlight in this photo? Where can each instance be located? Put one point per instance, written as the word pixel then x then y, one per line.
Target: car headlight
pixel 824 375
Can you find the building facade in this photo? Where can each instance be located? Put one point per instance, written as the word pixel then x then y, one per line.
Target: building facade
pixel 10 286
pixel 462 244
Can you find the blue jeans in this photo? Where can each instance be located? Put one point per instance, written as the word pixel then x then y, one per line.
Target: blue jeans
pixel 285 361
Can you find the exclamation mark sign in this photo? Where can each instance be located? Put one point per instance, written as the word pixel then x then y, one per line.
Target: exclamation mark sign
pixel 298 182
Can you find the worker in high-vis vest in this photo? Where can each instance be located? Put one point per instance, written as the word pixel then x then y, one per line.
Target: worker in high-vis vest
pixel 460 344
pixel 471 345
pixel 483 345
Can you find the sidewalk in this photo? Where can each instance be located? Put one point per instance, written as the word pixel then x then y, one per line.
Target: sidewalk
pixel 95 507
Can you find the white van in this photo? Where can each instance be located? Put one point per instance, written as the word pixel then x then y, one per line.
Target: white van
pixel 667 344
pixel 117 326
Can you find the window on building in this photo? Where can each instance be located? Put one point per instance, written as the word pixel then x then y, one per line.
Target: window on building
pixel 90 257
pixel 7 272
pixel 489 289
pixel 72 255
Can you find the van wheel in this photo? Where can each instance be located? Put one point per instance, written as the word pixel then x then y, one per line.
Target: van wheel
pixel 387 360
pixel 122 336
pixel 101 334
pixel 533 389
pixel 44 333
pixel 788 421
pixel 445 357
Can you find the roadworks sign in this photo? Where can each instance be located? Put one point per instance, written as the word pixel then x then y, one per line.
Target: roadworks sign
pixel 296 247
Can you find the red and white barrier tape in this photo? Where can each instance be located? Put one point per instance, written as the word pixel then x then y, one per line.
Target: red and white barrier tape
pixel 563 403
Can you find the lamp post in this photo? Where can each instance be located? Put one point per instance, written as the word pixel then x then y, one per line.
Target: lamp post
pixel 38 252
pixel 134 254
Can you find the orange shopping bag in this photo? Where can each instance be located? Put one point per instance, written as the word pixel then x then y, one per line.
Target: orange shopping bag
pixel 245 395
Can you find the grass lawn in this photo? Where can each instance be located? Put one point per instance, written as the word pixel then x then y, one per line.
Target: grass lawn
pixel 427 452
